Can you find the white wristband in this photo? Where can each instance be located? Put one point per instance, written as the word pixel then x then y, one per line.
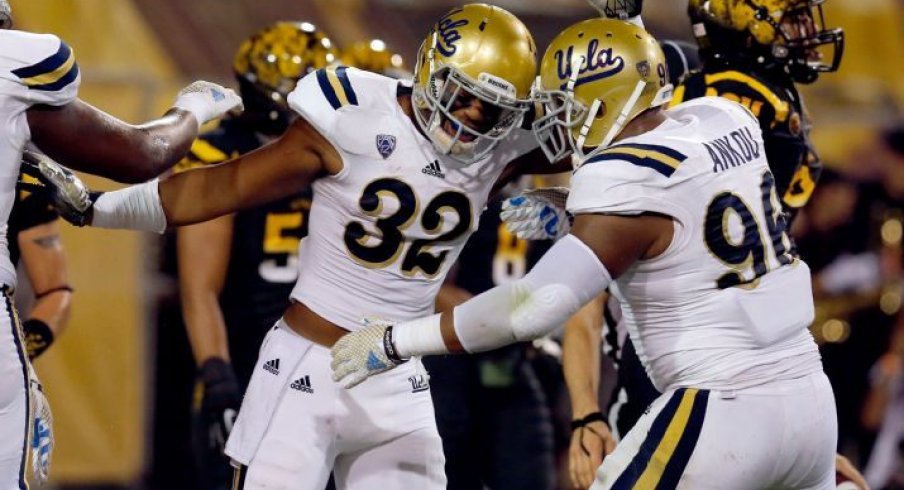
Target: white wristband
pixel 420 337
pixel 136 207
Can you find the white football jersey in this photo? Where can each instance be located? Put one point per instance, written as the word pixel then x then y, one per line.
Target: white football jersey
pixel 727 305
pixel 384 231
pixel 34 69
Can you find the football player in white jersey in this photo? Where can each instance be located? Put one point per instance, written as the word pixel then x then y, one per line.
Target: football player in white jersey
pixel 39 80
pixel 676 210
pixel 400 175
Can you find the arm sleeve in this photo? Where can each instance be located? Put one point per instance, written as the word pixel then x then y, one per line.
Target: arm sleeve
pixel 568 276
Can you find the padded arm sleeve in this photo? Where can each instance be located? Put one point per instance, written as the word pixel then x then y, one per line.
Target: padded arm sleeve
pixel 568 276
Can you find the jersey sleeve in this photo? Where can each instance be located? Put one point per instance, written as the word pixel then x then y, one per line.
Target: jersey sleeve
pixel 31 209
pixel 42 68
pixel 321 95
pixel 627 179
pixel 203 152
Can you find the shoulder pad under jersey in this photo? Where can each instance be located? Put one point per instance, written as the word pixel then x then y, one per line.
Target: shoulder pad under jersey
pixel 627 179
pixel 768 103
pixel 41 67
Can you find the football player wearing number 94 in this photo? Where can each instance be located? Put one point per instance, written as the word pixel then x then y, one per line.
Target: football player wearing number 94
pixel 689 235
pixel 400 175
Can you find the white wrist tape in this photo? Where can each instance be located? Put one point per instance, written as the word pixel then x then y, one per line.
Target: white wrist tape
pixel 136 207
pixel 568 276
pixel 421 337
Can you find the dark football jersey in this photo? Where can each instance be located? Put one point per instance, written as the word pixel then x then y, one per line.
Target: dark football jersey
pixel 784 122
pixel 263 259
pixel 29 210
pixel 493 255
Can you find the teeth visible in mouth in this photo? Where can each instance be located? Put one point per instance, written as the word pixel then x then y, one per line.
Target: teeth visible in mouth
pixel 451 128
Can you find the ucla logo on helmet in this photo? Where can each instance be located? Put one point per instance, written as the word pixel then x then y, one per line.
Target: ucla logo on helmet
pixel 385 145
pixel 595 64
pixel 447 33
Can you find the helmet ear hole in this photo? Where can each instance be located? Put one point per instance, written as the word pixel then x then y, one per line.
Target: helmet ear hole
pixel 601 111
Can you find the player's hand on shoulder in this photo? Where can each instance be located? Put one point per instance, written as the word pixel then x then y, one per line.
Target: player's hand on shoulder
pixel 207 101
pixel 538 214
pixel 220 400
pixel 68 194
pixel 363 353
pixel 591 441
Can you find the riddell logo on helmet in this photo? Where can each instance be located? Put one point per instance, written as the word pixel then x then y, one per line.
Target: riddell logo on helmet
pixel 597 64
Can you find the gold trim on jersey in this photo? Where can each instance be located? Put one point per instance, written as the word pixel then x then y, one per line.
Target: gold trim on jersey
pixel 677 96
pixel 53 76
pixel 781 107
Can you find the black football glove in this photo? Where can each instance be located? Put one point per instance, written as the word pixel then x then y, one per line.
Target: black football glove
pixel 220 400
pixel 38 337
pixel 66 192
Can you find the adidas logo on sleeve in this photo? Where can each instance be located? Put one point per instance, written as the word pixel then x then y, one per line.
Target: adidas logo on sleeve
pixel 272 366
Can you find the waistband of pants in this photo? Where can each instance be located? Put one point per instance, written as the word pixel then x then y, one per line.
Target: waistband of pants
pixel 301 320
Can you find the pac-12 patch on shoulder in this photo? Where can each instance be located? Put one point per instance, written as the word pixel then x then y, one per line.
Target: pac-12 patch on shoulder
pixel 385 144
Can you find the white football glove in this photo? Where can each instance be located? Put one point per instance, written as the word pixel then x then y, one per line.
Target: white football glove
pixel 68 194
pixel 42 432
pixel 538 214
pixel 361 354
pixel 207 101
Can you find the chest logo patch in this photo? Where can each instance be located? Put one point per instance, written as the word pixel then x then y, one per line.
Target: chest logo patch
pixel 385 145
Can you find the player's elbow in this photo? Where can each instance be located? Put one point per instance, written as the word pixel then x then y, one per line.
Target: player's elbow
pixel 545 309
pixel 151 156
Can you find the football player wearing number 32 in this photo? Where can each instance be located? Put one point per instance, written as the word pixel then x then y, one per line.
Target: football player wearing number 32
pixel 400 175
pixel 676 211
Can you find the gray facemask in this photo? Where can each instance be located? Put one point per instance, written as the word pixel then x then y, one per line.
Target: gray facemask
pixel 6 15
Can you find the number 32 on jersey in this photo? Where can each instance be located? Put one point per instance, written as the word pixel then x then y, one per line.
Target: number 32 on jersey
pixel 389 240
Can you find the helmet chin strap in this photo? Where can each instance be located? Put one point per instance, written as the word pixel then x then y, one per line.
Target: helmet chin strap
pixel 620 121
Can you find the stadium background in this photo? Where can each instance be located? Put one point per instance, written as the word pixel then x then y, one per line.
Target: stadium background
pixel 136 54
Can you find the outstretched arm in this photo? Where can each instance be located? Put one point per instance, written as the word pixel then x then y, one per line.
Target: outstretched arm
pixel 87 139
pixel 575 270
pixel 45 265
pixel 277 170
pixel 285 166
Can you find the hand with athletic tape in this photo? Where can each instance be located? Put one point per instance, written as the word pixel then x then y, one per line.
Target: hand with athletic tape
pixel 67 193
pixel 364 353
pixel 207 101
pixel 538 214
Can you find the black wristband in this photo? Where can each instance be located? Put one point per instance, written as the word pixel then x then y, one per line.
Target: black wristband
pixel 589 419
pixel 389 348
pixel 38 337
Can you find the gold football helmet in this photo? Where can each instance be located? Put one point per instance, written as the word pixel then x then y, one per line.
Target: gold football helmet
pixel 373 55
pixel 477 52
pixel 269 64
pixel 792 32
pixel 595 77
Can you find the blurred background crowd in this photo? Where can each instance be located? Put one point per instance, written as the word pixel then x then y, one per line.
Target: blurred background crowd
pixel 118 379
